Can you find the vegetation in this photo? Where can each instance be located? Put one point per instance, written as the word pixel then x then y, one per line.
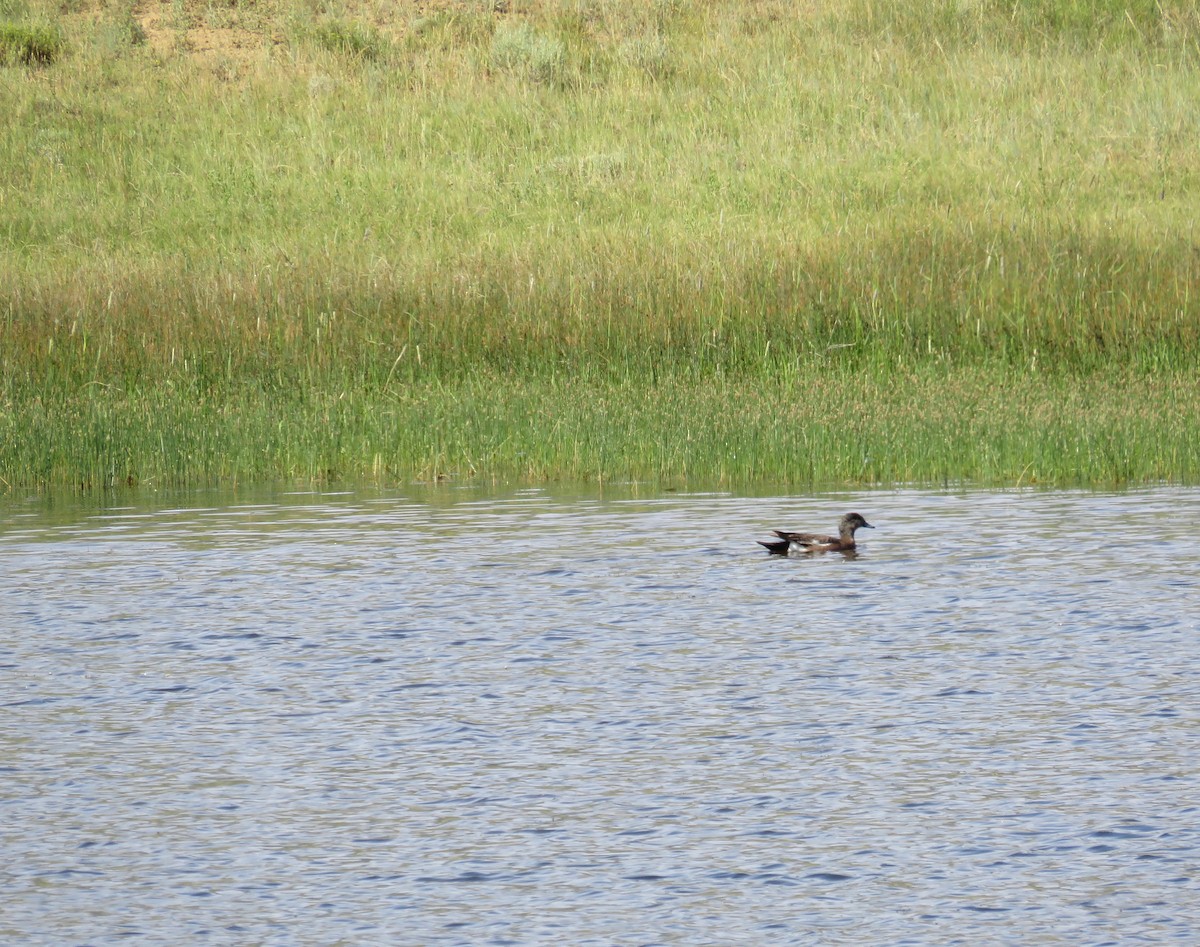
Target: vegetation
pixel 757 242
pixel 29 45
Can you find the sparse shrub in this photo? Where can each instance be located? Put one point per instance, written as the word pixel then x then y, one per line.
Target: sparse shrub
pixel 649 54
pixel 356 40
pixel 449 29
pixel 123 30
pixel 29 45
pixel 521 50
pixel 1088 21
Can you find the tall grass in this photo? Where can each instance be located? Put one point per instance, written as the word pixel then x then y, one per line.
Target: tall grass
pixel 989 427
pixel 29 45
pixel 497 204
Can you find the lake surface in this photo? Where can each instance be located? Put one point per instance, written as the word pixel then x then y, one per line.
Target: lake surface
pixel 451 716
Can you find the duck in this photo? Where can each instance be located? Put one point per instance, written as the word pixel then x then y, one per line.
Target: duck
pixel 815 542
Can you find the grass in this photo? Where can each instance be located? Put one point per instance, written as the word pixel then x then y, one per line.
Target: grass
pixel 348 38
pixel 745 243
pixel 29 45
pixel 931 427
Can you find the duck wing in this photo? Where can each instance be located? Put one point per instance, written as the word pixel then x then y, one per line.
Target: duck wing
pixel 804 539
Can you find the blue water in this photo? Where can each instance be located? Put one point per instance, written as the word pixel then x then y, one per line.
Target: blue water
pixel 459 717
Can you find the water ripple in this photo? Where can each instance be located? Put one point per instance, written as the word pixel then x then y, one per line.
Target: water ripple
pixel 413 718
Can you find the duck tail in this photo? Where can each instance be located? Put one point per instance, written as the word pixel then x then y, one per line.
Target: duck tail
pixel 778 548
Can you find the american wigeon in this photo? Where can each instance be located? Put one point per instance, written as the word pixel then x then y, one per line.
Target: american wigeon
pixel 814 542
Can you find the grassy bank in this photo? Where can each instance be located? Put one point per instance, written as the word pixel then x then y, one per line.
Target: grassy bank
pixel 989 427
pixel 743 242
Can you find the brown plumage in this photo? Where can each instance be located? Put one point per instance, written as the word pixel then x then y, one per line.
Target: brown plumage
pixel 815 542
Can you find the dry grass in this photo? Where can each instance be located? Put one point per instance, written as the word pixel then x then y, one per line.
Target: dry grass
pixel 273 206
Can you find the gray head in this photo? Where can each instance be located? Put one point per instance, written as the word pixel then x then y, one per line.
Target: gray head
pixel 852 521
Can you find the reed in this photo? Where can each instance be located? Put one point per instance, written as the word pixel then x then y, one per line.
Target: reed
pixel 992 426
pixel 722 241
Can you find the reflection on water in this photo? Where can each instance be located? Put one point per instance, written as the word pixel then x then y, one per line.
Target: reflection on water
pixel 452 717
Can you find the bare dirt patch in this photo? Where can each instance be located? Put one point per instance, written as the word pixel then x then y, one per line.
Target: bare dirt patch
pixel 208 31
pixel 196 30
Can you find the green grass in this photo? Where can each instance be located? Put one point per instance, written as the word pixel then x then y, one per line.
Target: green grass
pixel 36 45
pixel 358 41
pixel 674 240
pixel 993 427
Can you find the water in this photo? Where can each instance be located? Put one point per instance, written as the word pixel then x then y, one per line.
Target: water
pixel 448 717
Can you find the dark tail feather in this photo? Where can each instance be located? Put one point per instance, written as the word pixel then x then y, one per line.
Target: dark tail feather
pixel 779 548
